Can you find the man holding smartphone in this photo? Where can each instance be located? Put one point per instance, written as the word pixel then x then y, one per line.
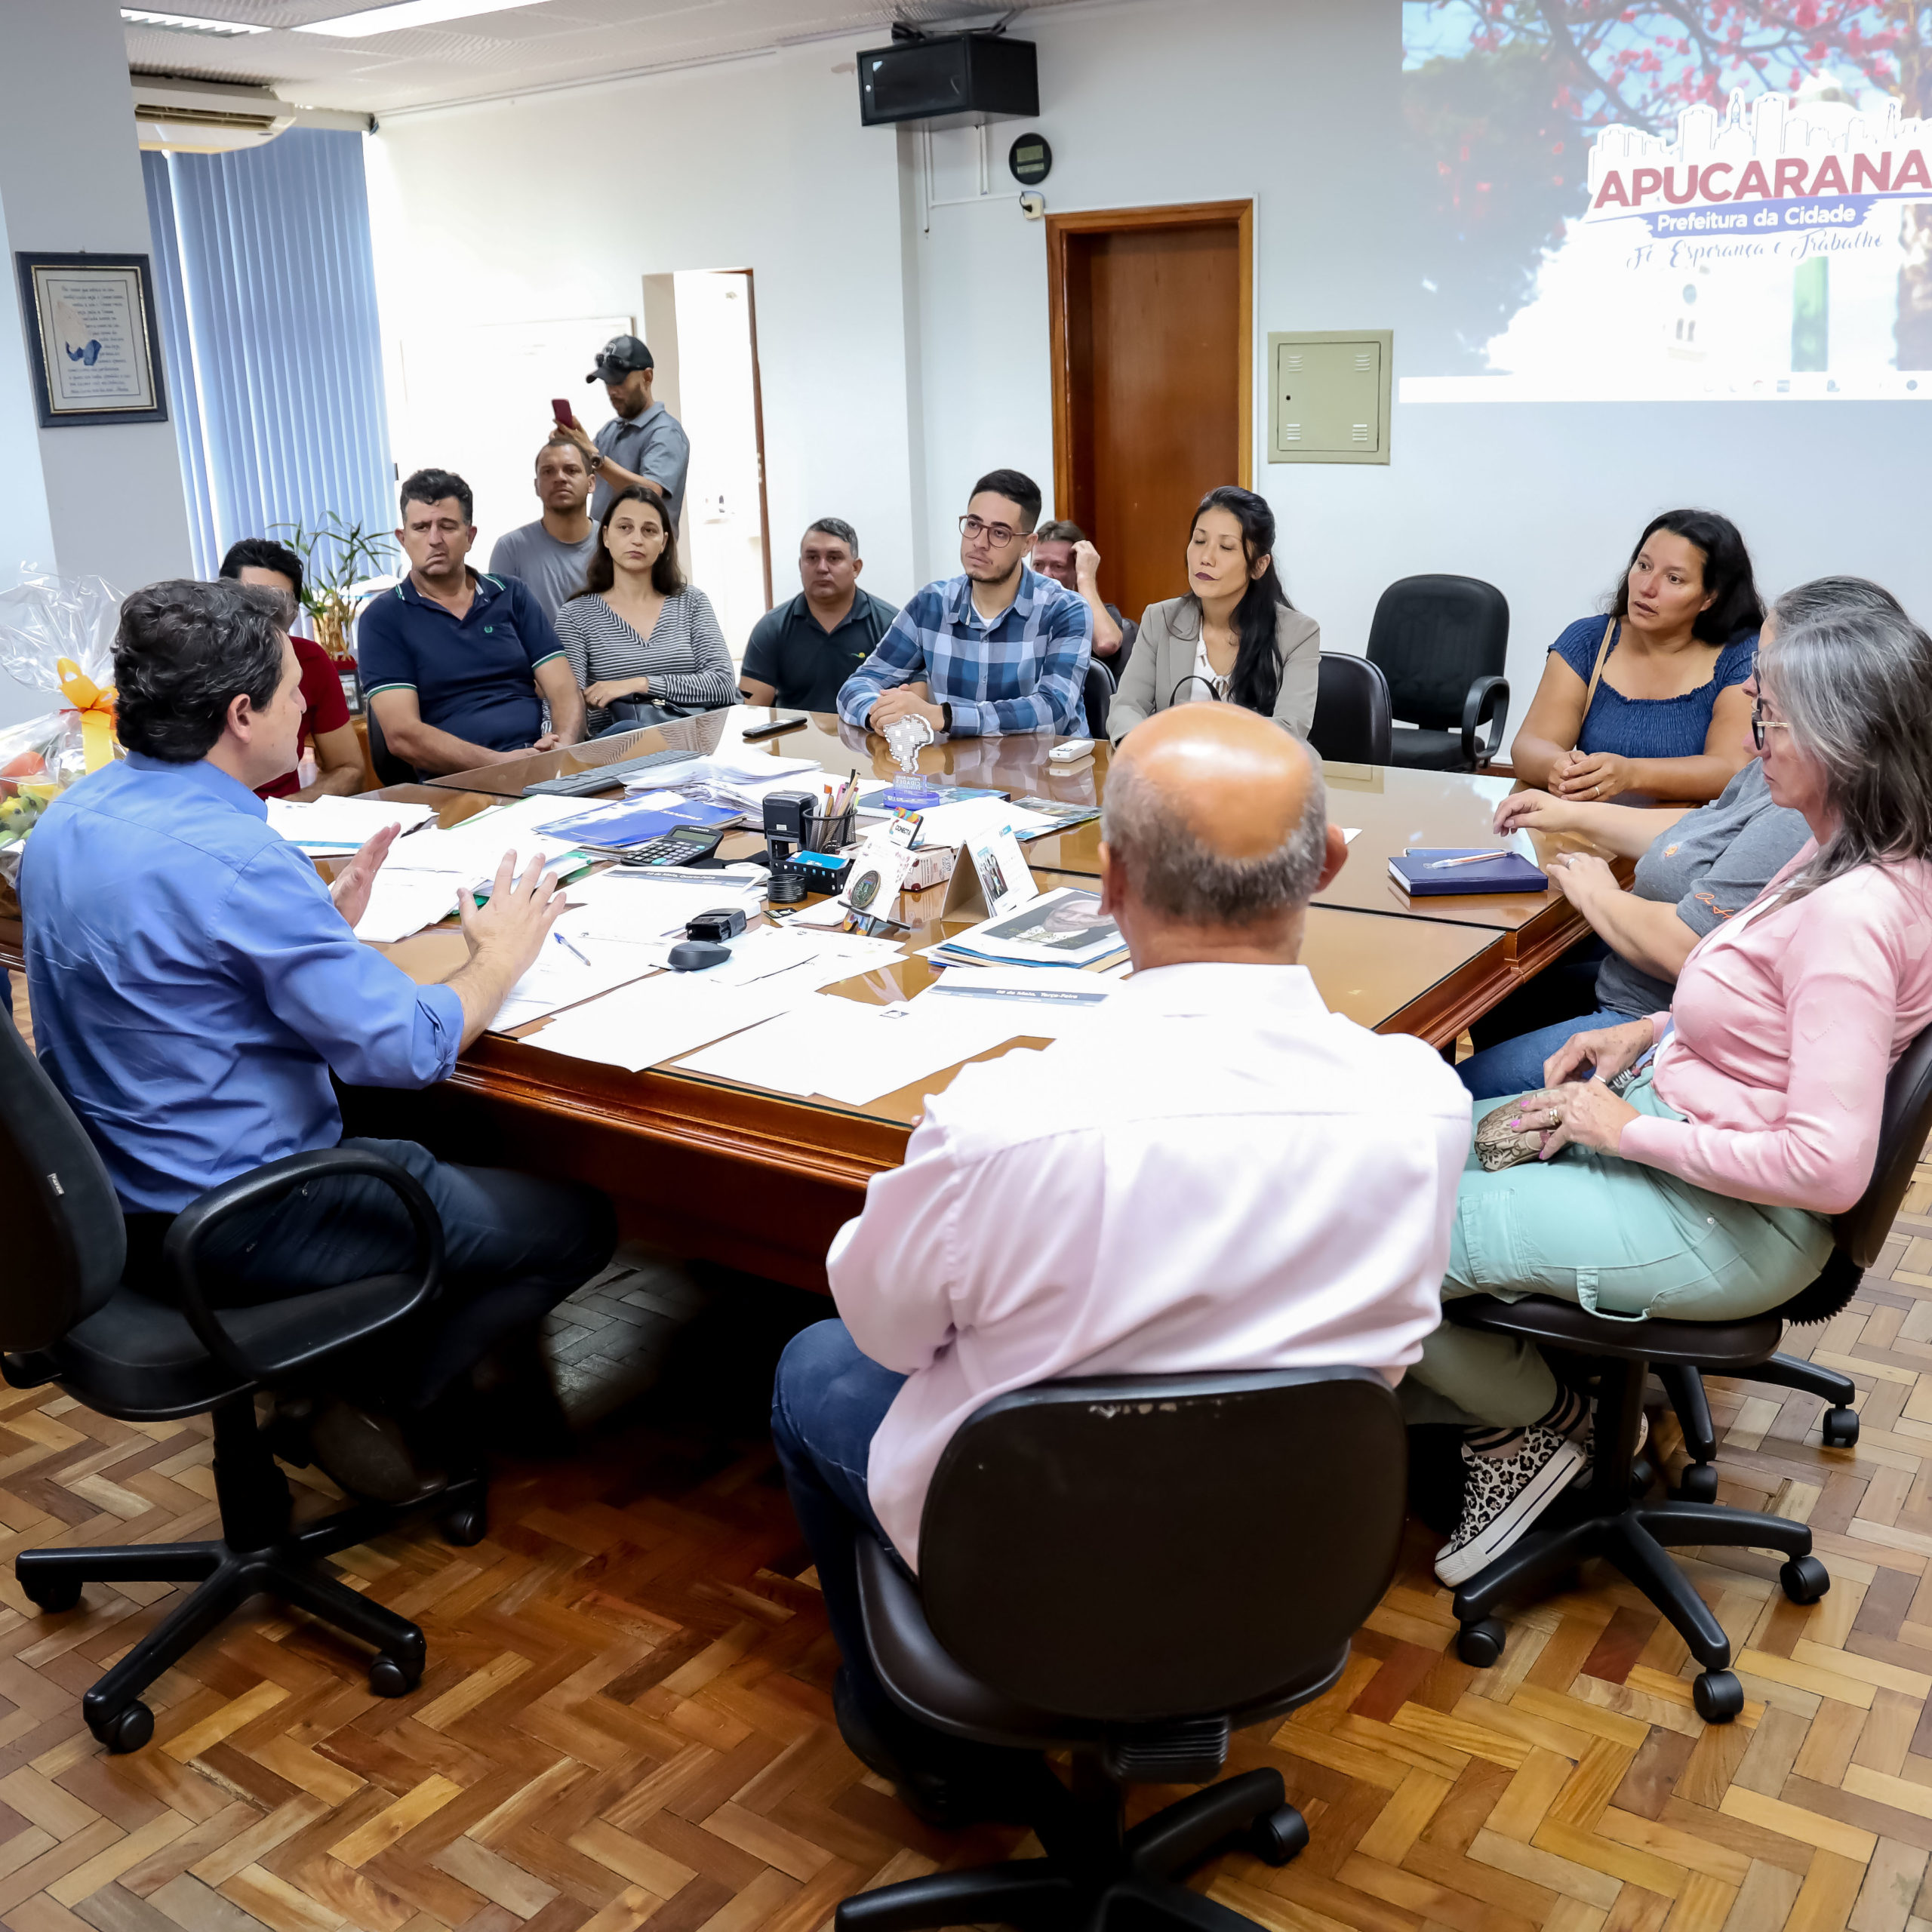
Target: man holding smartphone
pixel 643 443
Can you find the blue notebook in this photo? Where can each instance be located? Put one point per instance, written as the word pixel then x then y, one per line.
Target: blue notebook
pixel 617 828
pixel 1502 871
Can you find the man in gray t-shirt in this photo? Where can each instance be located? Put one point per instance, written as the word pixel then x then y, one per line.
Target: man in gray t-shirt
pixel 552 555
pixel 644 443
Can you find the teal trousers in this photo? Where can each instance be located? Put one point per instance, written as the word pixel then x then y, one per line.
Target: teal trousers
pixel 1624 1240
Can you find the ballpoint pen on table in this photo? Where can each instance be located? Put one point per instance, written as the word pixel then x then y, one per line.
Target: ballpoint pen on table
pixel 569 948
pixel 1468 859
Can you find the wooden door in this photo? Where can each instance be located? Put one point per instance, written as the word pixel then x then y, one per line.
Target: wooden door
pixel 1153 386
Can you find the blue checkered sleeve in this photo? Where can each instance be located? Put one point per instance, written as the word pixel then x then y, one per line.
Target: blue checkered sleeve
pixel 898 657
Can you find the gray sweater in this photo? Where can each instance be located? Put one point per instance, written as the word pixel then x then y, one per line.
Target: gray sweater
pixel 1164 659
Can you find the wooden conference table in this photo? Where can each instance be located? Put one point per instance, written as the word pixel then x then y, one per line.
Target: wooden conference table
pixel 761 1180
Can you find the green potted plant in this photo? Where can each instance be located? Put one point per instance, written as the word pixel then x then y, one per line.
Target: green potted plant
pixel 335 557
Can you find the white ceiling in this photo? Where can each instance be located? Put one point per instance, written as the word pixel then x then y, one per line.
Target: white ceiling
pixel 547 43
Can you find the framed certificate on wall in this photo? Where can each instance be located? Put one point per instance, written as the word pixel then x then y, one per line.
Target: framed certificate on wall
pixel 92 339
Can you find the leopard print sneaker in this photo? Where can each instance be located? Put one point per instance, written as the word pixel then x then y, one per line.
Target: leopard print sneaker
pixel 1504 1494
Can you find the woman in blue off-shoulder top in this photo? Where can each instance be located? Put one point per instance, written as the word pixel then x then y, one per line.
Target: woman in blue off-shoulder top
pixel 1668 714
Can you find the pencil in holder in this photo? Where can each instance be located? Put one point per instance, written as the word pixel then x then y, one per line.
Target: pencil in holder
pixel 830 835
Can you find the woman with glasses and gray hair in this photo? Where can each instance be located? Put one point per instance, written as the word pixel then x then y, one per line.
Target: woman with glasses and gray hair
pixel 1699 1184
pixel 1696 867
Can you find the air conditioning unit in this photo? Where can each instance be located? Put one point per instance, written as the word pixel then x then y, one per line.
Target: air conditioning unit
pixel 205 117
pixel 949 80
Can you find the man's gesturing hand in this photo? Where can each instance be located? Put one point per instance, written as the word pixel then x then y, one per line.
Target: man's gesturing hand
pixel 352 886
pixel 505 936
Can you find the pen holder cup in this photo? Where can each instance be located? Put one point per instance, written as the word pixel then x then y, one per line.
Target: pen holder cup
pixel 830 835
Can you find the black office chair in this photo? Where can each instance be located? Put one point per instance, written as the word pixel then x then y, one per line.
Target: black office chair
pixel 1442 643
pixel 1860 1233
pixel 67 1316
pixel 1094 1577
pixel 1098 698
pixel 1631 1534
pixel 1351 711
pixel 389 769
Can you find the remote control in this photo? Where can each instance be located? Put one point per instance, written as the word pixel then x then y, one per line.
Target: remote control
pixel 1074 748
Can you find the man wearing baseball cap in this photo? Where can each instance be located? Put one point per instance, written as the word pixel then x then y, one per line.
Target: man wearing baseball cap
pixel 644 443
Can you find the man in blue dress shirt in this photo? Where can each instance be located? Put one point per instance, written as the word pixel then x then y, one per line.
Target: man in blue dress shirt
pixel 194 984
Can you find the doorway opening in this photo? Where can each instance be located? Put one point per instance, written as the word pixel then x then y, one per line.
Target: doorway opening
pixel 702 325
pixel 1151 314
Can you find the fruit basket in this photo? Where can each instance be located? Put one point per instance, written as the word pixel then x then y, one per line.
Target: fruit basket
pixel 56 635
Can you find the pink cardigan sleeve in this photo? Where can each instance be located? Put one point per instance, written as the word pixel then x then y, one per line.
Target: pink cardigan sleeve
pixel 1840 977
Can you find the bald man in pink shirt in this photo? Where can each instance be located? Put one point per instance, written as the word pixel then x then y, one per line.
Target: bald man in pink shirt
pixel 1217 1172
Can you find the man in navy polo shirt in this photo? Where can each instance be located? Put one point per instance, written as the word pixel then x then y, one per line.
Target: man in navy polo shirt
pixel 457 667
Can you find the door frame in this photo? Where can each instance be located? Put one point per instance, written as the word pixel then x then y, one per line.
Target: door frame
pixel 1060 228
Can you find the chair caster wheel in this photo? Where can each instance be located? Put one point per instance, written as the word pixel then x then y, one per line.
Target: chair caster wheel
pixel 1698 1484
pixel 1279 1838
pixel 1481 1643
pixel 392 1677
pixel 127 1731
pixel 469 1523
pixel 53 1594
pixel 1804 1579
pixel 1840 1428
pixel 1644 1472
pixel 1717 1695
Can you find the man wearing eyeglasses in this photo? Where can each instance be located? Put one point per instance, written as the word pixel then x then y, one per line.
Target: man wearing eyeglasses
pixel 997 649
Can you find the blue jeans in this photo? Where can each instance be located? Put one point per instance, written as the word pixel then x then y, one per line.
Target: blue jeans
pixel 826 1403
pixel 1515 1066
pixel 514 1246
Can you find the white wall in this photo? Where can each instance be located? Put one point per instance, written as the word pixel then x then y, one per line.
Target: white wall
pixel 556 205
pixel 104 501
pixel 1292 102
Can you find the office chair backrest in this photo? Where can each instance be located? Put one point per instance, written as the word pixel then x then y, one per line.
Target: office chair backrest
pixel 1860 1231
pixel 1352 714
pixel 1145 1548
pixel 1433 637
pixel 389 769
pixel 1098 698
pixel 64 1239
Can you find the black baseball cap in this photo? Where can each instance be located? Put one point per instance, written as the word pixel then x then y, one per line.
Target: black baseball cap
pixel 618 357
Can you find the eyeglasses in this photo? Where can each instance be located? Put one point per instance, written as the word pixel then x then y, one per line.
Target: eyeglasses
pixel 1760 724
pixel 999 535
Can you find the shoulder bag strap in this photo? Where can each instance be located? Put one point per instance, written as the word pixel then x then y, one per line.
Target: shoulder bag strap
pixel 1596 674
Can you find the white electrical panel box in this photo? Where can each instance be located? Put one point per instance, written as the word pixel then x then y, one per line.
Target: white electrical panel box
pixel 1328 395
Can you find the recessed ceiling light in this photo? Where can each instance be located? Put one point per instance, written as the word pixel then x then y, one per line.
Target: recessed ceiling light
pixel 406 14
pixel 188 23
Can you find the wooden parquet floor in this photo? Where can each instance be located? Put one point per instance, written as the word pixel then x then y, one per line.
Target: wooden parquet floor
pixel 626 1717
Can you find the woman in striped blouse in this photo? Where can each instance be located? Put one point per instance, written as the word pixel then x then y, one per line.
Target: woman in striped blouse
pixel 636 629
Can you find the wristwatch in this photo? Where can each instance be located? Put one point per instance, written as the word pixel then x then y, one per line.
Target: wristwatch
pixel 945 717
pixel 596 461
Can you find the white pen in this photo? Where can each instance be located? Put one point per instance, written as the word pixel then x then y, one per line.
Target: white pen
pixel 1468 859
pixel 568 947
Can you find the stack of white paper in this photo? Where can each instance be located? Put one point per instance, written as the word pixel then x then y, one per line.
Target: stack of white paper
pixel 400 904
pixel 1046 1002
pixel 657 1019
pixel 473 849
pixel 648 901
pixel 560 978
pixel 852 1053
pixel 337 826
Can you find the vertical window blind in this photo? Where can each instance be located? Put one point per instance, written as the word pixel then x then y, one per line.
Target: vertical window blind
pixel 266 286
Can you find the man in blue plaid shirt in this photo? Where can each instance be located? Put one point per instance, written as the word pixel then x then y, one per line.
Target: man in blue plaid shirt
pixel 998 649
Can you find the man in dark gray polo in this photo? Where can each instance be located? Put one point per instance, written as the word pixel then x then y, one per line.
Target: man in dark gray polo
pixel 799 654
pixel 644 443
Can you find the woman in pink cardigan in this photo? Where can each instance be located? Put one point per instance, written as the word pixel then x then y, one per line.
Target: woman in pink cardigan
pixel 1700 1187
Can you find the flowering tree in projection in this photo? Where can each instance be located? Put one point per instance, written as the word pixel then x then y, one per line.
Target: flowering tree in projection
pixel 1591 63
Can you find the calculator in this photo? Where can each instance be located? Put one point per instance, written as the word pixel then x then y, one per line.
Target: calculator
pixel 683 847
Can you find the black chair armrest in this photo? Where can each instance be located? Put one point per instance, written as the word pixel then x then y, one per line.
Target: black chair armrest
pixel 181 1251
pixel 1483 693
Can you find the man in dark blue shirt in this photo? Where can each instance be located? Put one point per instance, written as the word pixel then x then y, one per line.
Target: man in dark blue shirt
pixel 799 654
pixel 457 667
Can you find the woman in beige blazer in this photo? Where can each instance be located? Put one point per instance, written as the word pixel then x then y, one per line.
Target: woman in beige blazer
pixel 1234 636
